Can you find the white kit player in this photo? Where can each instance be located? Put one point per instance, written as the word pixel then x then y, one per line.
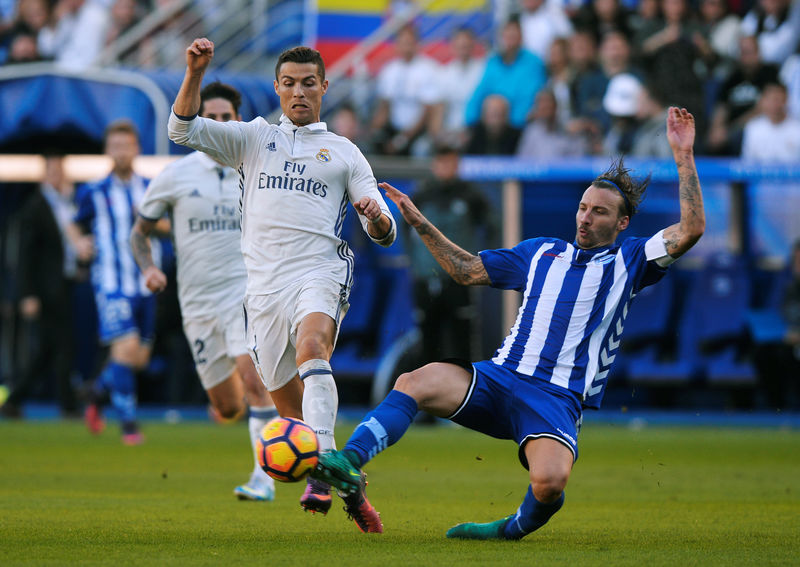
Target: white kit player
pixel 297 181
pixel 202 197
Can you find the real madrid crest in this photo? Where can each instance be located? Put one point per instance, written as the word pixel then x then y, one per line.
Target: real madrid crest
pixel 323 155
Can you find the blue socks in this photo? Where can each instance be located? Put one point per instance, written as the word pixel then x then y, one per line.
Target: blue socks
pixel 530 516
pixel 121 383
pixel 382 427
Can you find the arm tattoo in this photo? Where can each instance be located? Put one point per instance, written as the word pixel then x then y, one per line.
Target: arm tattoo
pixel 679 238
pixel 463 267
pixel 140 247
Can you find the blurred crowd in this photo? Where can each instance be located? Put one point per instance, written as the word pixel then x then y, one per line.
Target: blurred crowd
pixel 75 33
pixel 597 79
pixel 562 78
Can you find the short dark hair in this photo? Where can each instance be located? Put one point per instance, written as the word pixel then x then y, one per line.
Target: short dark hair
pixel 617 177
pixel 121 126
pixel 462 29
pixel 445 148
pixel 301 54
pixel 513 20
pixel 223 91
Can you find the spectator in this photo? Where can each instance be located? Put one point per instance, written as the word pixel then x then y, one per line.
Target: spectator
pixel 23 49
pixel 494 134
pixel 738 97
pixel 165 48
pixel 772 137
pixel 407 90
pixel 124 15
pixel 790 76
pixel 464 70
pixel 542 22
pixel 603 16
pixel 775 24
pixel 7 10
pixel 31 19
pixel 514 73
pixel 778 362
pixel 83 26
pixel 621 102
pixel 47 268
pixel 719 37
pixel 346 122
pixel 648 13
pixel 587 87
pixel 670 56
pixel 561 72
pixel 650 139
pixel 590 87
pixel 447 312
pixel 545 138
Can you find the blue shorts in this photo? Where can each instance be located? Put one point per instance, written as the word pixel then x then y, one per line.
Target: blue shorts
pixel 119 315
pixel 508 405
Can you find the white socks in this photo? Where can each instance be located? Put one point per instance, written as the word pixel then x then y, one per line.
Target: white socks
pixel 320 401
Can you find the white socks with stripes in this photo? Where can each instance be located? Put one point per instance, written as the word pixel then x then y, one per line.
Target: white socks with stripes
pixel 320 400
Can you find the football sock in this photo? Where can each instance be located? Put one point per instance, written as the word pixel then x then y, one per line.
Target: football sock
pixel 383 426
pixel 259 417
pixel 121 382
pixel 531 516
pixel 320 400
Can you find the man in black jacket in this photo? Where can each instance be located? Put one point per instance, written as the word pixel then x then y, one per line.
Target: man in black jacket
pixel 44 274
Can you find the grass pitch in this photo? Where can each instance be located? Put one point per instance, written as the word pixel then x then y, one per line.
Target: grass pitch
pixel 652 496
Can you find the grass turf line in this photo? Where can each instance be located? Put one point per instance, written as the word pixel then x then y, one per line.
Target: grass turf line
pixel 655 496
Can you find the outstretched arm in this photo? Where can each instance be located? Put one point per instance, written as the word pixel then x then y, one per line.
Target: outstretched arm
pixel 680 237
pixel 463 267
pixel 154 278
pixel 198 56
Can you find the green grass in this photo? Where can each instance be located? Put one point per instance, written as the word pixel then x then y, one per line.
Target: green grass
pixel 654 496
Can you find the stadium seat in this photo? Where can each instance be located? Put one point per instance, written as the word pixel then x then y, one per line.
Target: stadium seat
pixel 765 324
pixel 723 298
pixel 674 357
pixel 381 306
pixel 720 315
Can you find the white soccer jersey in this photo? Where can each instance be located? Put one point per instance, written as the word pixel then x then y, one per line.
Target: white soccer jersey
pixel 297 182
pixel 203 199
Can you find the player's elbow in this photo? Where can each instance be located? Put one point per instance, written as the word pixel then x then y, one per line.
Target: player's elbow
pixel 178 136
pixel 696 230
pixel 178 131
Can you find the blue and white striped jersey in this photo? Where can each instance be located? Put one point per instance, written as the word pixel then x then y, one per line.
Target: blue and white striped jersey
pixel 574 306
pixel 108 208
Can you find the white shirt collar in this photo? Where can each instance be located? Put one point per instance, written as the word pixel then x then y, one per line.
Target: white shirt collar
pixel 314 126
pixel 210 162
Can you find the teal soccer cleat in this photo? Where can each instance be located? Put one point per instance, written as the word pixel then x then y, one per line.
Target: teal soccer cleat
pixel 471 530
pixel 337 470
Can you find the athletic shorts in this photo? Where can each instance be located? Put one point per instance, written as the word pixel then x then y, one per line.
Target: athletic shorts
pixel 119 315
pixel 215 343
pixel 508 405
pixel 272 322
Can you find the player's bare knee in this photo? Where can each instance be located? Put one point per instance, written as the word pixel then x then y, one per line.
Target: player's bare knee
pixel 547 488
pixel 417 385
pixel 230 409
pixel 312 346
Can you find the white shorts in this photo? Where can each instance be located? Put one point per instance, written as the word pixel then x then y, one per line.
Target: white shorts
pixel 215 344
pixel 272 322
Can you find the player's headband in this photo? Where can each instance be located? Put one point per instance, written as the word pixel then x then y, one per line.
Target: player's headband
pixel 624 197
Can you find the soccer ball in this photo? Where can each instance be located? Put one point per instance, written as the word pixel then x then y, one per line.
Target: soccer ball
pixel 287 449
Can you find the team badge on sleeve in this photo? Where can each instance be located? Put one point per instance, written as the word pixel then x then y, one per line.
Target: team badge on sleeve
pixel 323 155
